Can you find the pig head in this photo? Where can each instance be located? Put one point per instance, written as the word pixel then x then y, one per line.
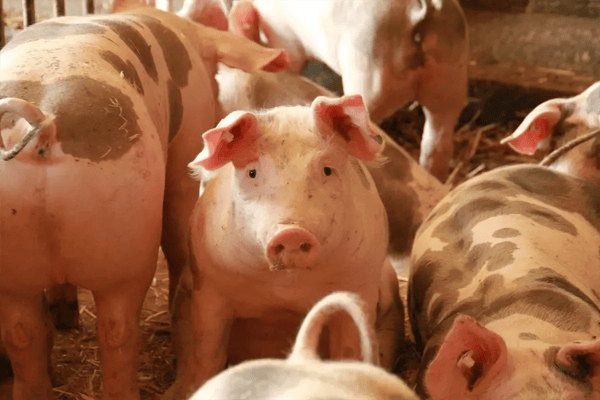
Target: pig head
pixel 303 375
pixel 504 291
pixel 287 214
pixel 558 121
pixel 390 52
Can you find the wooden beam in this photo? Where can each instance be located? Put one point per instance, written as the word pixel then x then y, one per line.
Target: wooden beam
pixel 2 35
pixel 28 13
pixel 59 8
pixel 88 6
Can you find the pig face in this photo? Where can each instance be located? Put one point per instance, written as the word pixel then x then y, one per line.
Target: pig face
pixel 474 362
pixel 293 173
pixel 559 121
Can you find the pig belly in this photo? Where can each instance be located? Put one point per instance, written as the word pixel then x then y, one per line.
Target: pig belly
pixel 87 223
pixel 269 337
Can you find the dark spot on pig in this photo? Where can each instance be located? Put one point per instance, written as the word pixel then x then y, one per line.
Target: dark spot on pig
pixel 596 295
pixel 174 51
pixel 504 233
pixel 546 217
pixel 14 212
pixel 540 180
pixel 567 286
pixel 136 42
pixel 475 210
pixel 361 173
pixel 49 30
pixel 500 255
pixel 175 109
pixel 418 294
pixel 487 186
pixel 593 102
pixel 528 336
pixel 93 120
pixel 440 209
pixel 126 68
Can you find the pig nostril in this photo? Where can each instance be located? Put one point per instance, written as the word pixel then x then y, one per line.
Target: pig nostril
pixel 279 248
pixel 305 247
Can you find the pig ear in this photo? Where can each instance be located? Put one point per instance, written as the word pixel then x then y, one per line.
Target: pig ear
pixel 118 6
pixel 234 139
pixel 208 13
pixel 537 128
pixel 581 361
pixel 236 51
pixel 469 356
pixel 245 21
pixel 347 116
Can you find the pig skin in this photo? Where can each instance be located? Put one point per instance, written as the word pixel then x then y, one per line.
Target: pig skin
pixel 83 202
pixel 504 279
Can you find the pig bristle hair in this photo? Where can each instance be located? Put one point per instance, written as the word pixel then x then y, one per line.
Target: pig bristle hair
pixel 307 340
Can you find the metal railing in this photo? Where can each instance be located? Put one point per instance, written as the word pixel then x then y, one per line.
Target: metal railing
pixel 58 10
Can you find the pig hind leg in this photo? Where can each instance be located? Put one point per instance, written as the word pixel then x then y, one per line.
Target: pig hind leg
pixel 26 335
pixel 118 332
pixel 63 306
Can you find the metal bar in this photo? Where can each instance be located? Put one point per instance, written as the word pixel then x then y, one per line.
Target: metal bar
pixel 59 8
pixel 2 36
pixel 28 13
pixel 88 6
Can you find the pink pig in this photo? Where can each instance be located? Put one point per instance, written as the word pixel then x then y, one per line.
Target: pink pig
pixel 287 214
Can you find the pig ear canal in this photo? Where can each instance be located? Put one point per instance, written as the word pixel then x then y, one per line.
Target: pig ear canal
pixel 233 140
pixel 536 130
pixel 580 361
pixel 469 354
pixel 347 117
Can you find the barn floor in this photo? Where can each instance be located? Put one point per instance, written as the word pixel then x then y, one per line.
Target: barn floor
pixel 493 112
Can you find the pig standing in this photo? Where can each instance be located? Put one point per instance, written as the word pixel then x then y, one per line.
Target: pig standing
pixel 303 375
pixel 504 291
pixel 108 107
pixel 389 51
pixel 407 191
pixel 287 214
pixel 559 121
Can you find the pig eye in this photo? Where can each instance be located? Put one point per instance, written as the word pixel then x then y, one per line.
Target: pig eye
pixel 252 173
pixel 327 171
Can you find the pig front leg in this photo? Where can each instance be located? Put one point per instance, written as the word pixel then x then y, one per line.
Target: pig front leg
pixel 201 321
pixel 25 334
pixel 118 310
pixel 389 328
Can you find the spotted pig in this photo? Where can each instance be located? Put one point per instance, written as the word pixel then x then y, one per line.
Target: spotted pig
pixel 558 121
pixel 407 191
pixel 303 375
pixel 96 128
pixel 388 51
pixel 504 289
pixel 287 214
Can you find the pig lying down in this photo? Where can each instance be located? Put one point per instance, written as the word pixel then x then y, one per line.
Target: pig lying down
pixel 287 214
pixel 559 121
pixel 389 51
pixel 504 291
pixel 303 375
pixel 407 191
pixel 114 103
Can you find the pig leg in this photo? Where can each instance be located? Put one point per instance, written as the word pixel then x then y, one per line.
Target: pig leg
pixel 202 323
pixel 389 328
pixel 63 306
pixel 25 332
pixel 118 331
pixel 443 94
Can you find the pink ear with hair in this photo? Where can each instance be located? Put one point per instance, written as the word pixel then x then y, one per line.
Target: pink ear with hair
pixel 234 140
pixel 245 21
pixel 347 117
pixel 467 361
pixel 583 357
pixel 536 129
pixel 206 12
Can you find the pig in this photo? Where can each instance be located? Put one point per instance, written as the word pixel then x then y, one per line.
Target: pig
pixel 97 131
pixel 558 121
pixel 407 190
pixel 389 51
pixel 287 214
pixel 504 288
pixel 303 375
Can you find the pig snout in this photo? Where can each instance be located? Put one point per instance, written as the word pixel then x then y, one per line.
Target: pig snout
pixel 292 247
